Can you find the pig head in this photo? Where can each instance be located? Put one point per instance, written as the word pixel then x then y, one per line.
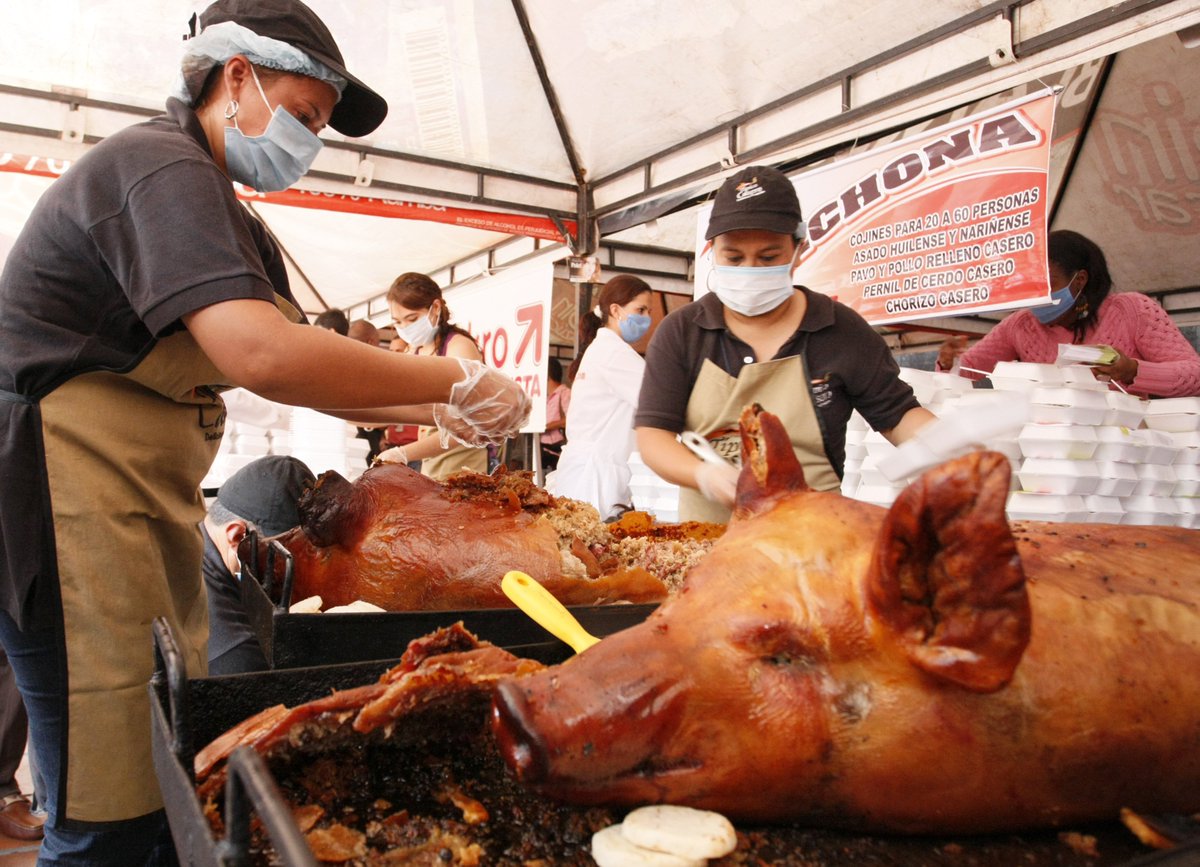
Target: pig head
pixel 924 668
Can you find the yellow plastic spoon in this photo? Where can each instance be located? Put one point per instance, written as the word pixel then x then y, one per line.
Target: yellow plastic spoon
pixel 536 601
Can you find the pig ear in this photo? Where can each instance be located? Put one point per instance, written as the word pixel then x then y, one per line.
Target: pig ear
pixel 769 465
pixel 946 577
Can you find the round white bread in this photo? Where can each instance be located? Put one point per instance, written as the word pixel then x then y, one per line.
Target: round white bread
pixel 682 831
pixel 610 848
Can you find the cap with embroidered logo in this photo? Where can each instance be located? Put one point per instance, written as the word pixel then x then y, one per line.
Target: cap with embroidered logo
pixel 757 197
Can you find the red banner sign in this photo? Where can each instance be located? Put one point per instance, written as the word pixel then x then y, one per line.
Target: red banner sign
pixel 490 221
pixel 948 222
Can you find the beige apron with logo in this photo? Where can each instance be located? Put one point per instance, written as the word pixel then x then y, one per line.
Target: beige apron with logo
pixel 781 387
pixel 125 455
pixel 453 461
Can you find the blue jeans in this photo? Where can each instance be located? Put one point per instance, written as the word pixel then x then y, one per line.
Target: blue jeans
pixel 39 660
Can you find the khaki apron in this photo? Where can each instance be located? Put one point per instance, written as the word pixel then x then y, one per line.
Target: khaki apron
pixel 125 455
pixel 457 459
pixel 781 387
pixel 453 461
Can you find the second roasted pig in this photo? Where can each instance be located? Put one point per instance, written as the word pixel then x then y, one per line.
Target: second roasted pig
pixel 405 542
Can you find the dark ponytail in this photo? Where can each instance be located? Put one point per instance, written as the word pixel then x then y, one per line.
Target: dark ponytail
pixel 620 290
pixel 1072 252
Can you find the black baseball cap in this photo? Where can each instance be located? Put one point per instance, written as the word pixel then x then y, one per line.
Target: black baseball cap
pixel 265 491
pixel 757 197
pixel 360 110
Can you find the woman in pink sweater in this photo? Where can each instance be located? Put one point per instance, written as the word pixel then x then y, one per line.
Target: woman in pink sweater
pixel 1154 359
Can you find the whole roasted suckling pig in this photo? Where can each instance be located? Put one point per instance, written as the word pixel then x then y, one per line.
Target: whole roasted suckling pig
pixel 405 542
pixel 924 668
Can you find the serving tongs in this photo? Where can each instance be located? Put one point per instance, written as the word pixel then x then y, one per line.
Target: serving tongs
pixel 536 601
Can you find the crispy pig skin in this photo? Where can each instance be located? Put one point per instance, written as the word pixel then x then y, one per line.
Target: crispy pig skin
pixel 928 668
pixel 405 542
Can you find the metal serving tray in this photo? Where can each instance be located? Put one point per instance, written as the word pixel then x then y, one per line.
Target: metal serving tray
pixel 299 640
pixel 188 713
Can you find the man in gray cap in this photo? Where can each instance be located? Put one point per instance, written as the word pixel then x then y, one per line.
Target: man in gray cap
pixel 260 496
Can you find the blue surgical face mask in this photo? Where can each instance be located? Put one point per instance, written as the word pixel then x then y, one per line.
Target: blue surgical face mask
pixel 1060 302
pixel 274 160
pixel 633 326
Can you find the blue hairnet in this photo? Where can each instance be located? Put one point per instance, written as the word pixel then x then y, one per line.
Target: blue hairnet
pixel 219 42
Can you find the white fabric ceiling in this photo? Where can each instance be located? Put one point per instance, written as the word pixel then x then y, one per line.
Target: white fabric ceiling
pixel 646 93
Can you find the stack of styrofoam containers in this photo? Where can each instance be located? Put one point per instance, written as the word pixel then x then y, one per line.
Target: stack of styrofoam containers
pixel 326 443
pixel 651 493
pixel 1076 450
pixel 861 477
pixel 1152 500
pixel 1178 420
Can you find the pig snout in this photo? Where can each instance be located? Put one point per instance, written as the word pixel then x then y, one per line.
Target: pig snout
pixel 519 742
pixel 600 738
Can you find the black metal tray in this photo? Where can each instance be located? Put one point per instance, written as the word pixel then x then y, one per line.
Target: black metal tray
pixel 300 640
pixel 188 713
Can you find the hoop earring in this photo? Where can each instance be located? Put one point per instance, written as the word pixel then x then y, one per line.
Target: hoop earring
pixel 232 109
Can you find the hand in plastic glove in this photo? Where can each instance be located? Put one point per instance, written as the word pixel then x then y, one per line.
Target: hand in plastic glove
pixel 718 482
pixel 394 455
pixel 485 407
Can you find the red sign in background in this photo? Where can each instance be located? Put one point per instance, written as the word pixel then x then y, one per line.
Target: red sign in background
pixel 948 222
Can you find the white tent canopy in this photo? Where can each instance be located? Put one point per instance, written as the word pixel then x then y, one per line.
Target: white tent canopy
pixel 612 114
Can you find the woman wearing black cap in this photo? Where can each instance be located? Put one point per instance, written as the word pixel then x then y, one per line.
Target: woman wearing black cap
pixel 758 339
pixel 138 290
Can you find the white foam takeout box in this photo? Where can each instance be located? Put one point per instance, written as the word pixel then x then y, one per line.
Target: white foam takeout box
pixel 1145 510
pixel 1125 410
pixel 1160 446
pixel 1103 510
pixel 1067 404
pixel 1155 480
pixel 1057 476
pixel 1188 443
pixel 1174 414
pixel 1025 506
pixel 1024 375
pixel 1070 441
pixel 1119 444
pixel 1117 479
pixel 1187 482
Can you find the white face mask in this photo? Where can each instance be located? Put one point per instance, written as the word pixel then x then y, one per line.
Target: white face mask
pixel 752 291
pixel 418 332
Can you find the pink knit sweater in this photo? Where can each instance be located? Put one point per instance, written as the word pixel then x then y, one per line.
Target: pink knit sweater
pixel 1135 324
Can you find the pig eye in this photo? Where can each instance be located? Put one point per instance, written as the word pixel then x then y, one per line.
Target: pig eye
pixel 780 644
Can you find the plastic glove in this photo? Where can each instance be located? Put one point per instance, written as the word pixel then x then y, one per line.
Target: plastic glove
pixel 485 407
pixel 718 482
pixel 394 455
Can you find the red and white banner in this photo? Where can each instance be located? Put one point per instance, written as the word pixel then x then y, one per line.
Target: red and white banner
pixel 947 222
pixel 490 221
pixel 508 314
